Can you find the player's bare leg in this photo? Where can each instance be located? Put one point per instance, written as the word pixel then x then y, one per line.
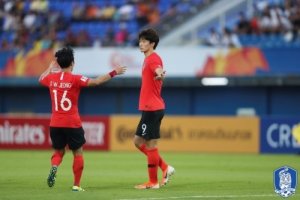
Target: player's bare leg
pixel 138 141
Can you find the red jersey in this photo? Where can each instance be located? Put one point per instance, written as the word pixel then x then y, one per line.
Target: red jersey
pixel 64 91
pixel 150 94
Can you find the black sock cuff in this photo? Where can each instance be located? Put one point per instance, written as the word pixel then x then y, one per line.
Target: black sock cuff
pixel 151 165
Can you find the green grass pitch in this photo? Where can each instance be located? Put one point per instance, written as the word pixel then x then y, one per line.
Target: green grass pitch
pixel 112 175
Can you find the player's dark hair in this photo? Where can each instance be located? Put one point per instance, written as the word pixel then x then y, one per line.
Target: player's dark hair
pixel 65 57
pixel 150 35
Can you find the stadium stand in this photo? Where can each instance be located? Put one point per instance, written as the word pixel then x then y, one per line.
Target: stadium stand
pixel 83 23
pixel 264 23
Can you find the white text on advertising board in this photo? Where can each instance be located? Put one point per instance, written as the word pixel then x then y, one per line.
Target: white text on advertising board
pixel 21 134
pixel 94 132
pixel 283 135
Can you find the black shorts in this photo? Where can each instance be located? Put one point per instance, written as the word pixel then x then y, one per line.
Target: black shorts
pixel 73 137
pixel 149 126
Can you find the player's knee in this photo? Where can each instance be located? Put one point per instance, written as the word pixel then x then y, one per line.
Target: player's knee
pixel 137 142
pixel 77 151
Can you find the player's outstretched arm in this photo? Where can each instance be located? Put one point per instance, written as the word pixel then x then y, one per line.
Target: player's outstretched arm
pixel 102 79
pixel 52 67
pixel 160 73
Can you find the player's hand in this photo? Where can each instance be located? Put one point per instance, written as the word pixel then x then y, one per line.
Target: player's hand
pixel 160 75
pixel 54 67
pixel 120 69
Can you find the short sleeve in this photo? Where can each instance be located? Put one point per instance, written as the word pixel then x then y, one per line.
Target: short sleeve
pixel 45 81
pixel 82 81
pixel 155 63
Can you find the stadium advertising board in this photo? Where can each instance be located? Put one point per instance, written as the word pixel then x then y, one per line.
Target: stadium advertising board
pixel 276 135
pixel 24 133
pixel 33 133
pixel 200 62
pixel 192 134
pixel 94 61
pixel 96 132
pixel 184 62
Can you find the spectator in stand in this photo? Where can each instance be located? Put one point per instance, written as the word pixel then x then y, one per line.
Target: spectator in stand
pixel 70 39
pixel 295 18
pixel 10 21
pixel 77 12
pixel 141 14
pixel 30 20
pixel 265 23
pixel 109 37
pixel 22 36
pixel 121 37
pixel 97 42
pixel 213 39
pixel 153 16
pixel 108 12
pixel 12 11
pixel 229 39
pixel 125 12
pixel 254 23
pixel 243 25
pixel 261 5
pixel 58 21
pixel 39 6
pixel 83 39
pixel 172 10
pixel 92 12
pixel 5 45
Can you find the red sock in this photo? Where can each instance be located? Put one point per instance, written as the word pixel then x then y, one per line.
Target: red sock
pixel 56 158
pixel 162 164
pixel 153 160
pixel 77 169
pixel 143 149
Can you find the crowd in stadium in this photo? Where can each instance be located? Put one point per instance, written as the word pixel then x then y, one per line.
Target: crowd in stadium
pixel 116 23
pixel 268 18
pixel 23 22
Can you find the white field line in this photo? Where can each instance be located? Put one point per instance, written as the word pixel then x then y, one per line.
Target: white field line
pixel 209 197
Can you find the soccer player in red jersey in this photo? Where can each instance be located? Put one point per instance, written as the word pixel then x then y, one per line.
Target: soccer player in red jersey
pixel 65 124
pixel 152 107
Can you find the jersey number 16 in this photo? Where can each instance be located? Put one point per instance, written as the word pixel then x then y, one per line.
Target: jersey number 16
pixel 65 103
